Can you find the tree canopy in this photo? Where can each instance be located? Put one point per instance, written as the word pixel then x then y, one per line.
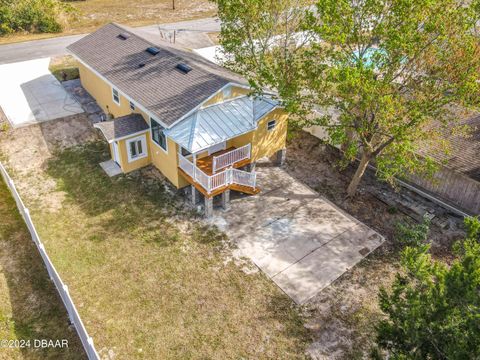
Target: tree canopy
pixel 32 15
pixel 392 72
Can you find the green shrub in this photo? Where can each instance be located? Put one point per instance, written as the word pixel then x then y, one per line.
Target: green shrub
pixel 473 227
pixel 45 16
pixel 432 310
pixel 412 234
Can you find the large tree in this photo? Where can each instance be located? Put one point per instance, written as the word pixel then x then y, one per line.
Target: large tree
pixel 432 310
pixel 392 72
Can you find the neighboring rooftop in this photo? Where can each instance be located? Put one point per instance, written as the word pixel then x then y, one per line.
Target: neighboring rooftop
pixel 122 126
pixel 219 122
pixel 153 81
pixel 464 150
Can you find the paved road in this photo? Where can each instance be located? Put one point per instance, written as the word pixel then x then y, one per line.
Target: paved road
pixel 57 46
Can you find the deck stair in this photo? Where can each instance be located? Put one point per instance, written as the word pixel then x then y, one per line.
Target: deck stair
pixel 245 189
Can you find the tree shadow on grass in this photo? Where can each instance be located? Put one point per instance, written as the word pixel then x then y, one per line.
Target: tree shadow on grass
pixel 37 311
pixel 133 203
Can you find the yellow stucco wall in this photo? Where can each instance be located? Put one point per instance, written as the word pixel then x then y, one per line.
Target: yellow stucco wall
pixel 134 164
pixel 102 92
pixel 167 163
pixel 220 96
pixel 264 142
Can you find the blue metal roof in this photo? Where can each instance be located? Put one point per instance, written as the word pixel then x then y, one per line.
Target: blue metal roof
pixel 219 122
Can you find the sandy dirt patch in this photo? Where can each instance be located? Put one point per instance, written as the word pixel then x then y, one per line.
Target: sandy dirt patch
pixel 26 149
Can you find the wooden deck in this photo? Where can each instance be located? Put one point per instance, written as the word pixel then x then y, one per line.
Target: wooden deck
pixel 240 188
pixel 206 163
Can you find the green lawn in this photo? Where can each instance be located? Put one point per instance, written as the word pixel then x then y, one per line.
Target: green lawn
pixel 30 307
pixel 149 280
pixel 64 65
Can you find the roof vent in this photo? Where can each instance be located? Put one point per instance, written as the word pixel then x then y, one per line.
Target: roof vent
pixel 184 68
pixel 123 36
pixel 153 50
pixel 141 65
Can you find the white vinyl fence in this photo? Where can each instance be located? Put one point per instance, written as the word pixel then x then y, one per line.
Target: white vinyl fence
pixel 62 288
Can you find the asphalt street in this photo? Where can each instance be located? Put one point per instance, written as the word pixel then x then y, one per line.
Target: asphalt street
pixel 29 50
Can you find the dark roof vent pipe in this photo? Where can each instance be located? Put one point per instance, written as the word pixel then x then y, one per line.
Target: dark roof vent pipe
pixel 184 68
pixel 152 50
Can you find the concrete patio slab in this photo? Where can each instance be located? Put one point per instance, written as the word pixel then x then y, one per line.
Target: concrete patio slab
pixel 300 240
pixel 29 94
pixel 111 168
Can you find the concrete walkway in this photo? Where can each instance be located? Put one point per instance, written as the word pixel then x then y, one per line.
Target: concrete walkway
pixel 300 240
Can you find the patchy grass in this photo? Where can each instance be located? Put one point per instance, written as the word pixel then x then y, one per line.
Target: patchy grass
pixel 149 280
pixel 64 68
pixel 30 307
pixel 92 14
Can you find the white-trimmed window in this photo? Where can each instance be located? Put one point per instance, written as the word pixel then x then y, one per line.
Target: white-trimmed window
pixel 115 96
pixel 271 125
pixel 136 148
pixel 158 134
pixel 132 106
pixel 227 92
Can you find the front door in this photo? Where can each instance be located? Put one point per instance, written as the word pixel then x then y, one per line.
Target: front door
pixel 217 147
pixel 116 153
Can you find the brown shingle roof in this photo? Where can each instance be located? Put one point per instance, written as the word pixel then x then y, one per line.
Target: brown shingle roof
pixel 463 153
pixel 122 126
pixel 158 86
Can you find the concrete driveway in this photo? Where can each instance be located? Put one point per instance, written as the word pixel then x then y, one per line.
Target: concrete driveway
pixel 29 94
pixel 299 239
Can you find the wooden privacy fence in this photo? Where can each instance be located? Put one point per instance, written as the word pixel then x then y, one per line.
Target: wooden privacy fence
pixel 454 187
pixel 62 288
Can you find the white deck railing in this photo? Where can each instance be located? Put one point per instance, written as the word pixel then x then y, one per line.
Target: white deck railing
pixel 213 182
pixel 243 178
pixel 231 157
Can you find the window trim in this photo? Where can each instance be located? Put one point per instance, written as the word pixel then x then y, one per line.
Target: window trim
pixel 273 126
pixel 151 136
pixel 132 105
pixel 144 154
pixel 114 90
